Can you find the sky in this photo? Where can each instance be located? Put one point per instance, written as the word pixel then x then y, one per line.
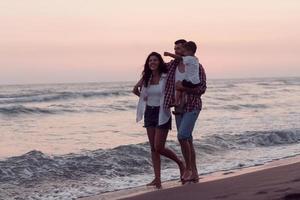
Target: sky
pixel 55 41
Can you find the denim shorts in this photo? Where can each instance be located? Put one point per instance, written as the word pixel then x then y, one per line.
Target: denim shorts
pixel 185 124
pixel 151 118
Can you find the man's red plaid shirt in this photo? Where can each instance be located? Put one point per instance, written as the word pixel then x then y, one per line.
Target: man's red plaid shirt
pixel 194 101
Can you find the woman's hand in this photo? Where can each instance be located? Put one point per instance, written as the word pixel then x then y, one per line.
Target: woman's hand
pixel 136 90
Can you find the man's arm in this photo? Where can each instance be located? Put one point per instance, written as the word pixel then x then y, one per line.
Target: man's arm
pixel 200 89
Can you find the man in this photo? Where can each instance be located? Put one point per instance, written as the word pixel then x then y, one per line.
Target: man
pixel 185 121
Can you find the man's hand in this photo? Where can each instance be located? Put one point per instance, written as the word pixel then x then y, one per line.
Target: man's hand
pixel 179 86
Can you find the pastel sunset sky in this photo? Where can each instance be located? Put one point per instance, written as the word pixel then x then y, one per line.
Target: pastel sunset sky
pixel 49 41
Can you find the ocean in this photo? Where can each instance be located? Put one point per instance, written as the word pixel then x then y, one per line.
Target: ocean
pixel 63 141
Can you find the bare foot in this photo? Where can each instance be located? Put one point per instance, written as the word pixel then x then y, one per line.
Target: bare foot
pixel 195 176
pixel 182 169
pixel 186 175
pixel 156 183
pixel 152 183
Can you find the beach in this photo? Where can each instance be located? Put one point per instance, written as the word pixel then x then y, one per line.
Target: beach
pixel 278 180
pixel 101 100
pixel 66 141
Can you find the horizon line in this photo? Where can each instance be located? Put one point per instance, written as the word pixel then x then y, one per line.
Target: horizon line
pixel 120 81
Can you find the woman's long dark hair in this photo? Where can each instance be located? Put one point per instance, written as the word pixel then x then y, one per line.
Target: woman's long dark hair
pixel 162 68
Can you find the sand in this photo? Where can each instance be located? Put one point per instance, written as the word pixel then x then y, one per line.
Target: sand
pixel 273 181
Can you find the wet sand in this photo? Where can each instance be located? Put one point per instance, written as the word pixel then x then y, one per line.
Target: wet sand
pixel 278 180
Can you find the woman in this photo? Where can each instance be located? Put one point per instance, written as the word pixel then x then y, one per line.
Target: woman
pixel 157 121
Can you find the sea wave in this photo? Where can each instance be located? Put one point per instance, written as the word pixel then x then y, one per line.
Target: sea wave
pixel 57 96
pixel 17 110
pixel 235 107
pixel 20 110
pixel 126 160
pixel 256 139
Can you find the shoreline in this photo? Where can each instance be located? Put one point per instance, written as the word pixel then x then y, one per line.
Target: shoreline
pixel 211 178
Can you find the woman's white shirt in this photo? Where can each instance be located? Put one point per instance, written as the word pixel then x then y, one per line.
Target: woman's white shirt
pixel 164 115
pixel 154 93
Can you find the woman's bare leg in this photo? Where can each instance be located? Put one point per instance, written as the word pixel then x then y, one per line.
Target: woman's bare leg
pixel 159 146
pixel 155 158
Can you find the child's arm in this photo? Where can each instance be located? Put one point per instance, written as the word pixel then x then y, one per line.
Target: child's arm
pixel 172 55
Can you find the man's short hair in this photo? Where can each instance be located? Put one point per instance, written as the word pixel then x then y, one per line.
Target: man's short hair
pixel 191 46
pixel 181 41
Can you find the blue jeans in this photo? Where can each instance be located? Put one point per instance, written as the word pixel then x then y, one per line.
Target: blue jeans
pixel 185 124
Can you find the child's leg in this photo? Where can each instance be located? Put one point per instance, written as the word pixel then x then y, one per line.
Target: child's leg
pixel 179 108
pixel 178 97
pixel 183 99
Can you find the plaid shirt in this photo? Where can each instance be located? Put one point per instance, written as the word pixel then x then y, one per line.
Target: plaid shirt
pixel 194 101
